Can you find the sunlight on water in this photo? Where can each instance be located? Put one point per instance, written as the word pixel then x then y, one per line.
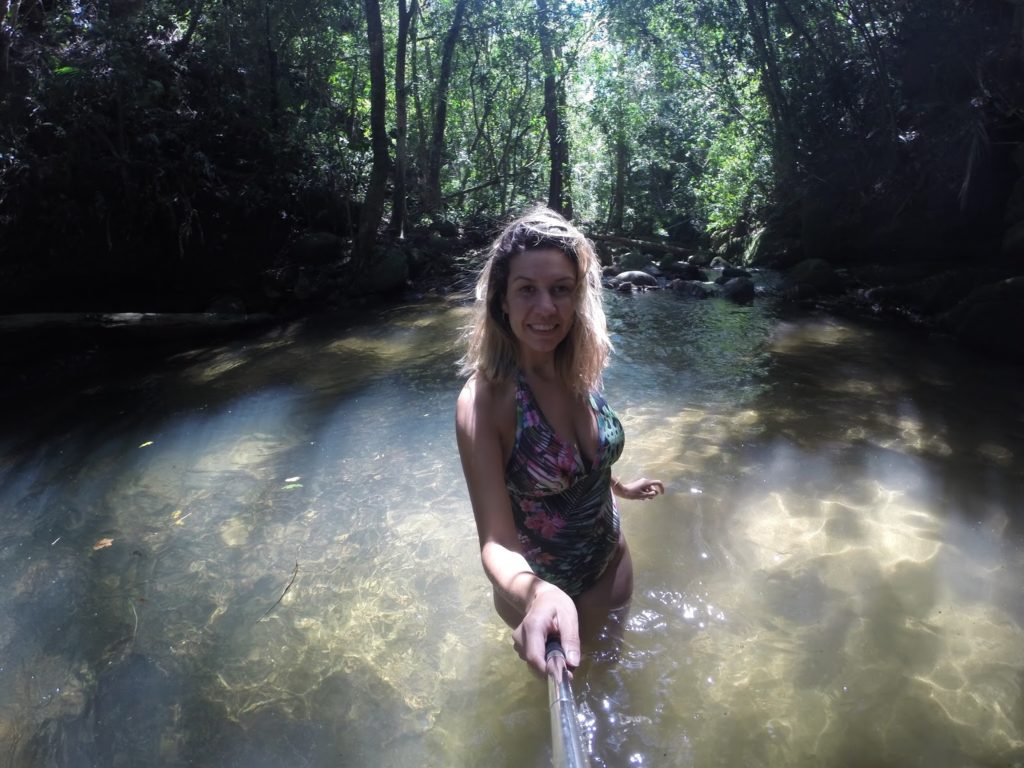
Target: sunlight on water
pixel 831 602
pixel 261 553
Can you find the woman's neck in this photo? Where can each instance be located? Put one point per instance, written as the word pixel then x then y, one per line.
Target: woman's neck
pixel 539 366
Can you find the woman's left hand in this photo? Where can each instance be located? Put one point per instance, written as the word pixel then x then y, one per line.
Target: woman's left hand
pixel 640 489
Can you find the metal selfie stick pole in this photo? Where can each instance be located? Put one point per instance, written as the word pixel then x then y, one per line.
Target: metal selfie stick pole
pixel 566 743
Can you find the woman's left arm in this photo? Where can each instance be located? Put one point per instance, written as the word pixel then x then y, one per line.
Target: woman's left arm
pixel 640 489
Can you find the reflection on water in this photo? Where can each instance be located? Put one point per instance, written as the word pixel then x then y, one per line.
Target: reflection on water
pixel 261 554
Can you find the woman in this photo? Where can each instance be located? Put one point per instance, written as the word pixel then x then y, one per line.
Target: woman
pixel 538 441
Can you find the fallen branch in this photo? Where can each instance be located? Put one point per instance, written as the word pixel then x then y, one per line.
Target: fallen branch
pixel 278 602
pixel 644 245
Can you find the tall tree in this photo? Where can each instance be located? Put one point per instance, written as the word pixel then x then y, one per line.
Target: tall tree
pixel 435 158
pixel 373 203
pixel 9 12
pixel 560 178
pixel 398 204
pixel 768 58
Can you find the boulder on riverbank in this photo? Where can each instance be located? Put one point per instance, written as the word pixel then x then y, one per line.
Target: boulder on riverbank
pixel 929 295
pixel 813 276
pixel 317 248
pixel 635 277
pixel 684 271
pixel 388 272
pixel 991 319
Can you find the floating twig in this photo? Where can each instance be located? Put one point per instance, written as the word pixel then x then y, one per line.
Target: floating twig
pixel 135 630
pixel 278 602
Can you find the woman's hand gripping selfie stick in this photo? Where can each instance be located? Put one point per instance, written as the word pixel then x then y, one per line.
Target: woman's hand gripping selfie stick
pixel 566 742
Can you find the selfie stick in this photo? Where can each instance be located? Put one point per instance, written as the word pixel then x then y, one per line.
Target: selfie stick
pixel 566 743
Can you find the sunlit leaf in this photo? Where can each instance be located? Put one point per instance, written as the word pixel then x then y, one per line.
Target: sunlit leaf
pixel 291 486
pixel 102 543
pixel 145 444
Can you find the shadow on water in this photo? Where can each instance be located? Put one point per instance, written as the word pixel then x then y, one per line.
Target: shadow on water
pixel 124 640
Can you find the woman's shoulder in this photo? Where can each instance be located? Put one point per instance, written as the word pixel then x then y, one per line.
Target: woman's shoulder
pixel 485 417
pixel 482 393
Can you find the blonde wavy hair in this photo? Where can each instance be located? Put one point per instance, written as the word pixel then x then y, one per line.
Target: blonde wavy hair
pixel 491 348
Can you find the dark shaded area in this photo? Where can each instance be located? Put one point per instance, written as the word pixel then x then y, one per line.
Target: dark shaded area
pixel 147 171
pixel 175 155
pixel 899 419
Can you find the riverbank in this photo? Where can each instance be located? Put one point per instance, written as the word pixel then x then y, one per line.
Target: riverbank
pixel 977 306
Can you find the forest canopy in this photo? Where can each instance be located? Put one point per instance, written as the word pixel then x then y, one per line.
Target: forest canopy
pixel 149 144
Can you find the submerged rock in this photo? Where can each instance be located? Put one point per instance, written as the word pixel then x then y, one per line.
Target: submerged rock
pixel 739 290
pixel 690 288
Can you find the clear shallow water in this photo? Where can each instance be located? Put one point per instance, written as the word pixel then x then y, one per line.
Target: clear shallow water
pixel 261 554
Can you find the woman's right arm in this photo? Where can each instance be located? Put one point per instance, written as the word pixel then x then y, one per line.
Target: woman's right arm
pixel 545 608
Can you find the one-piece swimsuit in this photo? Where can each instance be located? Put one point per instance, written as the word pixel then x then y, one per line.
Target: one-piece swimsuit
pixel 564 509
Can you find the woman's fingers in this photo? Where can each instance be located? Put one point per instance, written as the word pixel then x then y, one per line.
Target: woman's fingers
pixel 644 488
pixel 551 613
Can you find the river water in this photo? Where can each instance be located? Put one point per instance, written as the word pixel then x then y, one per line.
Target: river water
pixel 261 553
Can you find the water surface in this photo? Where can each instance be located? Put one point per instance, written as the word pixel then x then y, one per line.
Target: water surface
pixel 261 553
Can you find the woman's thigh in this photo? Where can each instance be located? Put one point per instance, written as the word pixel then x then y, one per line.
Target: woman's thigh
pixel 611 592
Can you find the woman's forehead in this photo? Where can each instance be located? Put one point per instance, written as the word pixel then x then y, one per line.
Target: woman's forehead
pixel 549 263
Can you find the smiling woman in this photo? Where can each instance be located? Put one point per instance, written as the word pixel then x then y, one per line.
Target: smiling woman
pixel 538 440
pixel 540 303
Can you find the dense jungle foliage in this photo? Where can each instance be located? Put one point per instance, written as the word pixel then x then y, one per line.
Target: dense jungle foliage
pixel 164 153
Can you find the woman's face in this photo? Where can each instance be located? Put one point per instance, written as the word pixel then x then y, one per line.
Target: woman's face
pixel 540 299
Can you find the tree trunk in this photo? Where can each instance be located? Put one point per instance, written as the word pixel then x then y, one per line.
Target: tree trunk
pixel 481 114
pixel 881 71
pixel 615 220
pixel 398 204
pixel 510 148
pixel 420 121
pixel 435 159
pixel 785 143
pixel 8 22
pixel 559 181
pixel 373 204
pixel 275 99
pixel 1018 30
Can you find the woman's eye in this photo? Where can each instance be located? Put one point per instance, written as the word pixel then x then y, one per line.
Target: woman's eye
pixel 526 289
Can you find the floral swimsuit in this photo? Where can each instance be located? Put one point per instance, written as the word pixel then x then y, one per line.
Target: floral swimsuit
pixel 564 510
